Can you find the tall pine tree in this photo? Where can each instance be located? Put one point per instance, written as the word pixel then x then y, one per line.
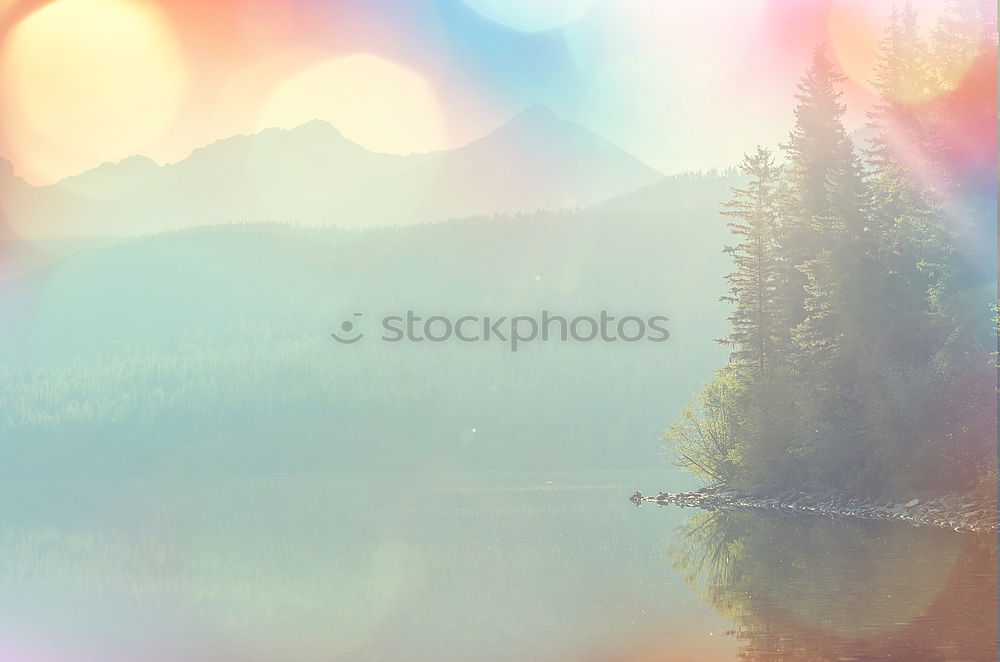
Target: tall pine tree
pixel 753 286
pixel 817 146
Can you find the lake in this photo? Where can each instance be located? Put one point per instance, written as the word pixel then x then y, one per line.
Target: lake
pixel 493 566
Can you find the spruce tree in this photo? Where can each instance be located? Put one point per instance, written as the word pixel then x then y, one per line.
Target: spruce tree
pixel 753 286
pixel 817 146
pixel 963 33
pixel 904 170
pixel 904 81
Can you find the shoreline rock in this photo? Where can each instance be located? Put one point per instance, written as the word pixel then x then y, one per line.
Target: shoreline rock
pixel 959 512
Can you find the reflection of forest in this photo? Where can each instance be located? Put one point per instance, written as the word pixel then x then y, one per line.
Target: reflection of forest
pixel 816 589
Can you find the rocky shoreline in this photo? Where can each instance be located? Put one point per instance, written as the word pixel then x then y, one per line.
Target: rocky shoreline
pixel 958 512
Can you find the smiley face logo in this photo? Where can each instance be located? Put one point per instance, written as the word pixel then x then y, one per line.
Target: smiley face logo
pixel 347 327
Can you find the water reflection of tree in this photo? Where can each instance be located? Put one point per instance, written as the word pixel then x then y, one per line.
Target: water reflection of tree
pixel 817 589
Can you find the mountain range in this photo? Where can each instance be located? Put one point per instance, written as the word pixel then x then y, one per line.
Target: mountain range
pixel 312 175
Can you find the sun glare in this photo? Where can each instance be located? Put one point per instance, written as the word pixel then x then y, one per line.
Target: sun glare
pixel 855 29
pixel 87 81
pixel 372 101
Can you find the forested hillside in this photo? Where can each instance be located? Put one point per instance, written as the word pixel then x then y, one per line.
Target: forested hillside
pixel 210 348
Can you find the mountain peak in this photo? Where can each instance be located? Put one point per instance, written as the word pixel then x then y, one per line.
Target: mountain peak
pixel 540 128
pixel 7 176
pixel 317 127
pixel 535 123
pixel 311 131
pixel 536 116
pixel 538 112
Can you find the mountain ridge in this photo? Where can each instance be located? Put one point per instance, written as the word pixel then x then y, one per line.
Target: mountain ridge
pixel 314 175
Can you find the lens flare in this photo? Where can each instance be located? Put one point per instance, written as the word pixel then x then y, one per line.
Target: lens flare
pixel 372 101
pixel 854 29
pixel 88 81
pixel 531 15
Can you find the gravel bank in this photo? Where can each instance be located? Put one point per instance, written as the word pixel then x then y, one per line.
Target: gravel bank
pixel 958 512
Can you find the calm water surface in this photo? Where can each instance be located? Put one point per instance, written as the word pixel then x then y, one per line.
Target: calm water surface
pixel 473 567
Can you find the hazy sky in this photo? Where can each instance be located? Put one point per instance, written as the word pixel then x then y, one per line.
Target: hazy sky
pixel 683 85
